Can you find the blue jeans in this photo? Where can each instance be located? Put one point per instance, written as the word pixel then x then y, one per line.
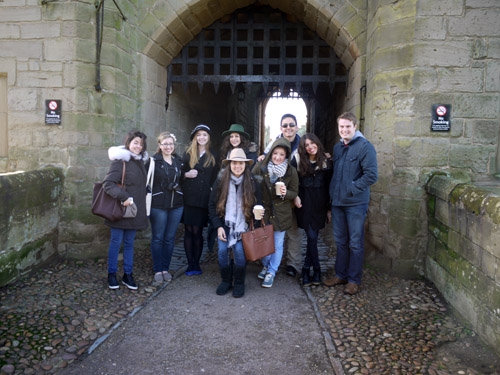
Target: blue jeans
pixel 164 224
pixel 119 235
pixel 224 252
pixel 272 262
pixel 348 231
pixel 312 257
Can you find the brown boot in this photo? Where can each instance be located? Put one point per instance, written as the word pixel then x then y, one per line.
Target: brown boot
pixel 351 289
pixel 332 281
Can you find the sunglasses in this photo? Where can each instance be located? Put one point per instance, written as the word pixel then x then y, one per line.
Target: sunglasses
pixel 292 125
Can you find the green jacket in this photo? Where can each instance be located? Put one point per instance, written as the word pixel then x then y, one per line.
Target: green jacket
pixel 278 210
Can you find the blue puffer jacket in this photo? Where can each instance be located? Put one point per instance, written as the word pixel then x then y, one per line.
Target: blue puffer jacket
pixel 354 170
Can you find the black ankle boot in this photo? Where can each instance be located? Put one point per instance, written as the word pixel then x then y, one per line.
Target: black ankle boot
pixel 239 282
pixel 305 277
pixel 112 282
pixel 128 281
pixel 226 274
pixel 316 280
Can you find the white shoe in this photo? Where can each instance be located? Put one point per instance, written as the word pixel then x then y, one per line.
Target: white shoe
pixel 268 281
pixel 262 274
pixel 158 277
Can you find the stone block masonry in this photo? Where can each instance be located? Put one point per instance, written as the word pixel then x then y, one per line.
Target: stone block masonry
pixel 29 220
pixel 463 255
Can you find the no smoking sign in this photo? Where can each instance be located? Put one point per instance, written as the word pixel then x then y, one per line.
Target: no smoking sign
pixel 53 105
pixel 53 112
pixel 441 110
pixel 441 117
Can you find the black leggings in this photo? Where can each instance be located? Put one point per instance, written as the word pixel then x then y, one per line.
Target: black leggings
pixel 193 245
pixel 312 258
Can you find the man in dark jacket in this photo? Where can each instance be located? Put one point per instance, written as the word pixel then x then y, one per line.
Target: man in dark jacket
pixel 354 170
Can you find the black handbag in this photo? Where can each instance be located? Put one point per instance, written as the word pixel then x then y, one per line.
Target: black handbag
pixel 104 205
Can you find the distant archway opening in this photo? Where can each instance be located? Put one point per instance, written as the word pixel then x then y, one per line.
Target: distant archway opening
pixel 278 105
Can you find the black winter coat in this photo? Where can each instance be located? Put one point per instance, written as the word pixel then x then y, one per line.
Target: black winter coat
pixel 314 195
pixel 135 185
pixel 167 191
pixel 197 190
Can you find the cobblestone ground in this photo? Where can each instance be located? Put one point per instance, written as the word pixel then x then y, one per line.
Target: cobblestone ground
pixel 393 326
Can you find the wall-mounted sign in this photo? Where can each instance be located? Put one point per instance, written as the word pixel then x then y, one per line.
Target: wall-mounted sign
pixel 441 117
pixel 53 112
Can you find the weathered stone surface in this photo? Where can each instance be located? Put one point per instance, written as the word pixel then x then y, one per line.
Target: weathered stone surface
pixel 465 260
pixel 476 22
pixel 417 152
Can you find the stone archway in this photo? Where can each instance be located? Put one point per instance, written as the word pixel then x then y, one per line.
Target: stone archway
pixel 170 28
pixel 340 24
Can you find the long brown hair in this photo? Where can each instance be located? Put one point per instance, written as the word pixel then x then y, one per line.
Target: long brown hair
pixel 304 167
pixel 226 147
pixel 248 192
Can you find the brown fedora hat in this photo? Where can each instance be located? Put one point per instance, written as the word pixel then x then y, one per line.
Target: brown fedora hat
pixel 237 154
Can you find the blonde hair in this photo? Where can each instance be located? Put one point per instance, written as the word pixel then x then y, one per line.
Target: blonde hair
pixel 162 137
pixel 192 151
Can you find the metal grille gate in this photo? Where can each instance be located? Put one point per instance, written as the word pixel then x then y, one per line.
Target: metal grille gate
pixel 258 45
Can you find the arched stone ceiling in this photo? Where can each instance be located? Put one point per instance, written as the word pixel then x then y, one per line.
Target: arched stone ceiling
pixel 168 26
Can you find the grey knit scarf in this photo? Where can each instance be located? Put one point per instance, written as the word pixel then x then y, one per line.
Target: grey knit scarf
pixel 235 218
pixel 276 170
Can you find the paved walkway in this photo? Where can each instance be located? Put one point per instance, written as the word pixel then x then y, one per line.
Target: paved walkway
pixel 65 320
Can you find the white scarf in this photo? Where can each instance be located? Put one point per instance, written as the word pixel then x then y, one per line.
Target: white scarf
pixel 235 218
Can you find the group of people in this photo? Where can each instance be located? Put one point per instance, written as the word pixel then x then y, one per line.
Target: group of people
pixel 297 182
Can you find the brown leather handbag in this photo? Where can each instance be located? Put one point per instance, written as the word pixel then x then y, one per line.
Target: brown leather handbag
pixel 105 205
pixel 258 242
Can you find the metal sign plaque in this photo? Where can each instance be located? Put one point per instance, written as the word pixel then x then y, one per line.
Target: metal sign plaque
pixel 53 112
pixel 441 118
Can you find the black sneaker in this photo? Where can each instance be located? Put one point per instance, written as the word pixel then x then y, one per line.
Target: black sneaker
pixel 128 280
pixel 291 271
pixel 112 282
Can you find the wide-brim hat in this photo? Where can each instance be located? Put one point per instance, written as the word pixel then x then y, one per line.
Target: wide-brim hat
pixel 200 127
pixel 236 128
pixel 237 154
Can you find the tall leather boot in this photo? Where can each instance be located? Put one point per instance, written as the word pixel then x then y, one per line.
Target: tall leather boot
pixel 316 280
pixel 306 281
pixel 226 274
pixel 239 281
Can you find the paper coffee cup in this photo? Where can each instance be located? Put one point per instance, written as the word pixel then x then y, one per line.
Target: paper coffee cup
pixel 278 186
pixel 258 212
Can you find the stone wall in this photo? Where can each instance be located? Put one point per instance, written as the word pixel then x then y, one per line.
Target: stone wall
pixel 411 54
pixel 463 252
pixel 421 53
pixel 29 220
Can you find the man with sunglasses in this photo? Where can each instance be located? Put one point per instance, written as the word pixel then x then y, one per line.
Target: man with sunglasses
pixel 289 130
